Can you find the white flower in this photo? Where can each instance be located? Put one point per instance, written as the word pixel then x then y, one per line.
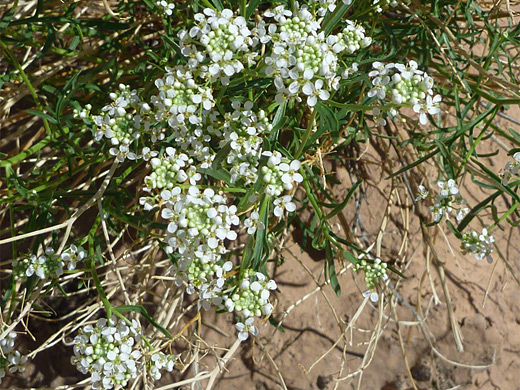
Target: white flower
pixel 252 223
pixel 374 296
pixel 380 69
pixel 448 188
pixel 423 193
pixel 283 203
pixel 379 87
pixel 72 256
pixel 205 97
pixel 11 360
pixel 278 13
pixel 147 153
pixel 291 172
pixel 431 106
pixel 246 328
pixel 166 6
pixel 313 91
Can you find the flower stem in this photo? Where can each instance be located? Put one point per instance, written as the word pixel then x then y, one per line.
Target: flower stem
pixel 306 136
pixel 27 83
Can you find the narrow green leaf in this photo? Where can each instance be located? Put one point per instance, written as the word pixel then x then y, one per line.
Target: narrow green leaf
pixel 333 19
pixel 253 4
pixel 414 164
pixel 279 117
pixel 349 256
pixel 42 115
pixel 221 156
pixel 331 268
pixel 475 210
pixel 330 120
pixel 342 205
pixel 142 311
pixel 261 232
pixel 219 174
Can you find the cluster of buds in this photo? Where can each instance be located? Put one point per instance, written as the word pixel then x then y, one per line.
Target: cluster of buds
pixel 375 272
pixel 251 299
pixel 11 360
pixel 407 86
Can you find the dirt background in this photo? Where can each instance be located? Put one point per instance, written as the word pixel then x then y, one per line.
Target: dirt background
pixel 347 342
pixel 317 353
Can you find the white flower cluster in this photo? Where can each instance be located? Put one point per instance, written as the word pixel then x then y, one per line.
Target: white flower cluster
pixel 227 43
pixel 166 6
pixel 11 360
pixel 171 169
pixel 407 86
pixel 374 273
pixel 512 169
pixel 199 222
pixel 480 245
pixel 109 352
pixel 280 174
pixel 303 59
pixel 183 115
pixel 203 274
pixel 251 299
pixel 180 100
pixel 49 265
pixel 243 129
pixel 446 201
pixel 178 108
pixel 120 123
pixel 161 361
pixel 112 353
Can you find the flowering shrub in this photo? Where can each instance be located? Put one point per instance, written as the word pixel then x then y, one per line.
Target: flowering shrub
pixel 196 157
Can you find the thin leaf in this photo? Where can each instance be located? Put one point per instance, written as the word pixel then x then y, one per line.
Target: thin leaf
pixel 343 204
pixel 329 119
pixel 142 311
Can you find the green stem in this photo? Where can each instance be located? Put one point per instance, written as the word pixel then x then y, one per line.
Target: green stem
pixel 307 134
pixel 310 195
pixel 27 82
pixel 99 288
